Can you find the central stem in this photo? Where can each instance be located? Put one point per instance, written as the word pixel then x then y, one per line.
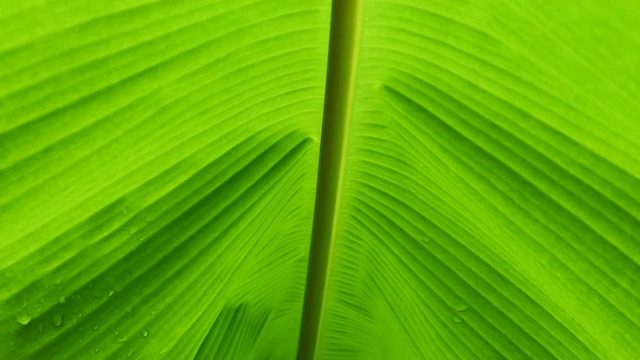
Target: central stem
pixel 340 82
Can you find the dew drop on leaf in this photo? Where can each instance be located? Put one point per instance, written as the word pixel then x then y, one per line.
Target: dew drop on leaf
pixel 457 319
pixel 40 328
pixel 23 317
pixel 145 333
pixel 110 292
pixel 57 319
pixel 462 307
pixel 62 299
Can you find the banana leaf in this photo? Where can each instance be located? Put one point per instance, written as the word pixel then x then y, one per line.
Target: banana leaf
pixel 161 194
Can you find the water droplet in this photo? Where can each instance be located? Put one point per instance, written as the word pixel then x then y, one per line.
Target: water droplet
pixel 117 332
pixel 145 333
pixel 41 328
pixel 81 340
pixel 462 307
pixel 79 315
pixel 125 211
pixel 130 353
pixel 128 310
pixel 133 229
pixel 62 299
pixel 457 319
pixel 426 239
pixel 57 319
pixel 23 317
pixel 96 326
pixel 96 350
pixel 122 339
pixel 110 292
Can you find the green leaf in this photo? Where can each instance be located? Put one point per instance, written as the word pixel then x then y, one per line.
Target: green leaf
pixel 491 198
pixel 477 194
pixel 157 174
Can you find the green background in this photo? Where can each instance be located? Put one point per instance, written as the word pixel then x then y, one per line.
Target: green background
pixel 158 165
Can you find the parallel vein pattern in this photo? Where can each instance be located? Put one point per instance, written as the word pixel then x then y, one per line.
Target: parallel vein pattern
pixel 491 205
pixel 157 174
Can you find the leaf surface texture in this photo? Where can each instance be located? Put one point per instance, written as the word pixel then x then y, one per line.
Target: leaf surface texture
pixel 157 173
pixel 158 164
pixel 490 206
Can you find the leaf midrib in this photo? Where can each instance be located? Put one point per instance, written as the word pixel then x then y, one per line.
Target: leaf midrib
pixel 346 19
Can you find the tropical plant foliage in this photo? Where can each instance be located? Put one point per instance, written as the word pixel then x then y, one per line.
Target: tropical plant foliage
pixel 158 164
